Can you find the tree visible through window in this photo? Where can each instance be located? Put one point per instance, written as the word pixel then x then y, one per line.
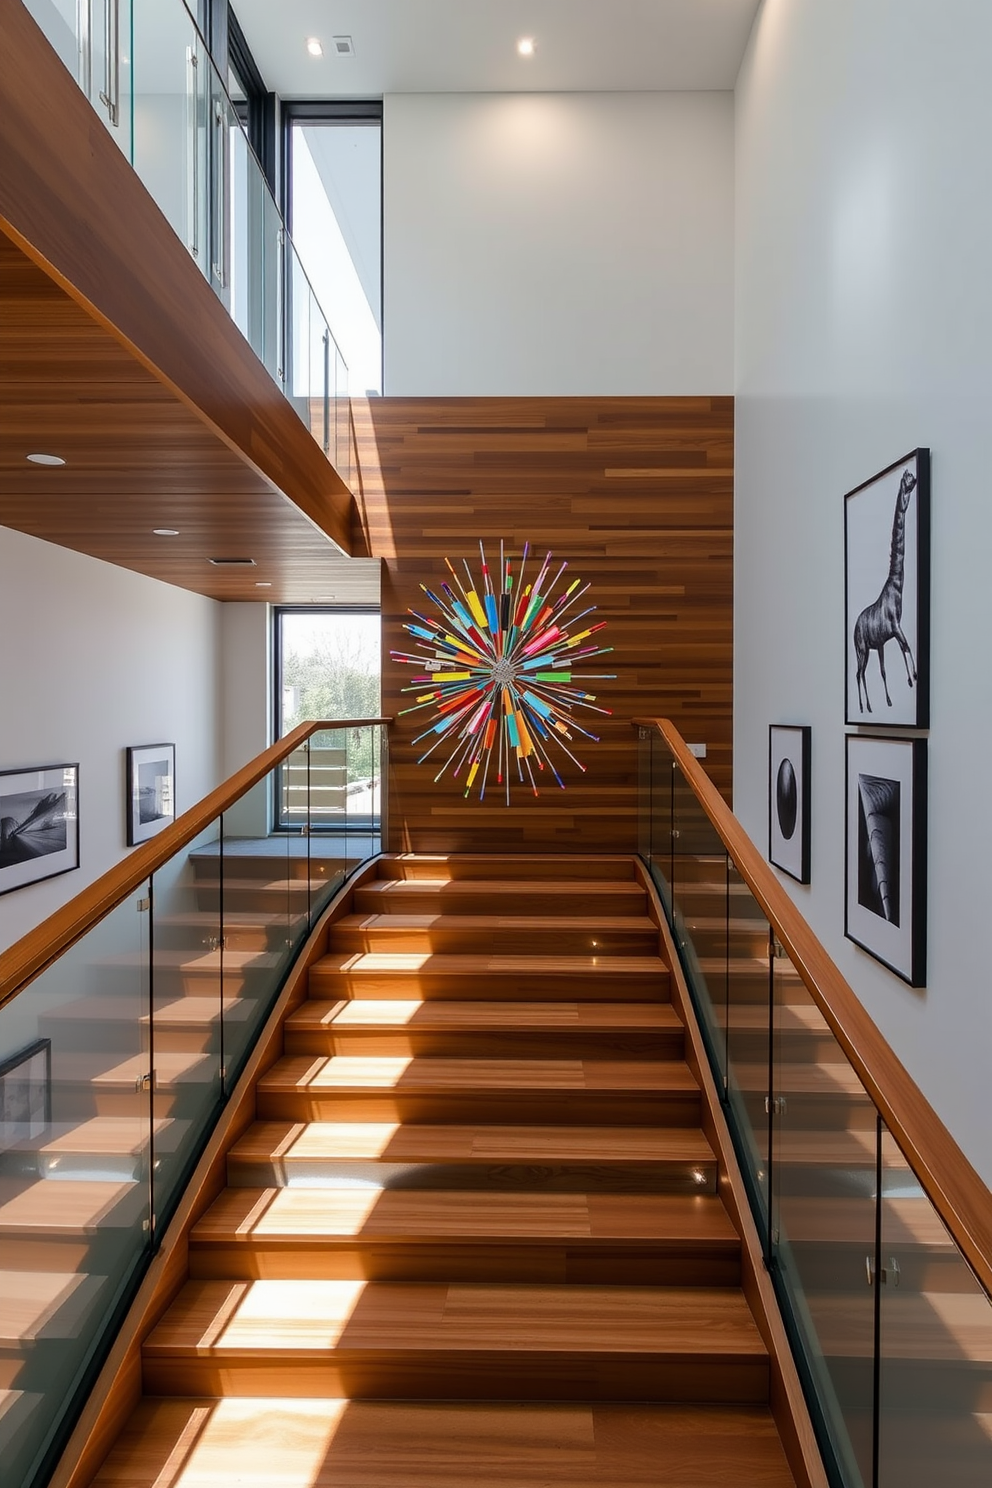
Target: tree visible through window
pixel 328 666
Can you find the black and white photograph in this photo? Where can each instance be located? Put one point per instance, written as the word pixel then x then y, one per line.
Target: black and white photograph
pixel 25 1094
pixel 39 824
pixel 887 596
pixel 788 799
pixel 151 790
pixel 886 852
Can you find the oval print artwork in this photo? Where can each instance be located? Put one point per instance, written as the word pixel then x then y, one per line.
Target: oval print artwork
pixel 788 799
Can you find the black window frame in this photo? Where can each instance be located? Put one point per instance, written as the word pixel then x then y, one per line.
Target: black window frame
pixel 278 825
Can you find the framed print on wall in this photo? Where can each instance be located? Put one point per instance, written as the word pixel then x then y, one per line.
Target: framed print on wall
pixel 25 1094
pixel 886 852
pixel 788 799
pixel 39 824
pixel 151 790
pixel 887 596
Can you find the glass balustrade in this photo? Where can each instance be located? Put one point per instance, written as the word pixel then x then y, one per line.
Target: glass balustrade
pixel 890 1328
pixel 148 73
pixel 117 1060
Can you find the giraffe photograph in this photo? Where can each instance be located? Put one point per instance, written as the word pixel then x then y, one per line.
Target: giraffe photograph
pixel 887 596
pixel 886 852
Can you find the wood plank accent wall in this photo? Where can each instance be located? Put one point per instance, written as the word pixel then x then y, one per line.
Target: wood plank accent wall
pixel 637 493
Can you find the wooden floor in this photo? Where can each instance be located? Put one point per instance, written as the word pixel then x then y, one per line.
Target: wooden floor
pixel 474 1236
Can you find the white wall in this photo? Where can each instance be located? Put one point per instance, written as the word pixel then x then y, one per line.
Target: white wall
pixel 94 658
pixel 542 244
pixel 863 329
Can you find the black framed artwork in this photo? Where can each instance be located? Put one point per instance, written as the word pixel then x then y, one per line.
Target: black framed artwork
pixel 25 1094
pixel 887 596
pixel 886 852
pixel 151 790
pixel 39 824
pixel 789 799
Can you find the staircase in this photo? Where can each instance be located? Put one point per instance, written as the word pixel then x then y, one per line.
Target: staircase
pixel 474 1234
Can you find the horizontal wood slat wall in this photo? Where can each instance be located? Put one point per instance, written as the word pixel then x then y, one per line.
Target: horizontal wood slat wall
pixel 637 494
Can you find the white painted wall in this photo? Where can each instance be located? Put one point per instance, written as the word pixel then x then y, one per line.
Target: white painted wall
pixel 863 329
pixel 94 658
pixel 543 244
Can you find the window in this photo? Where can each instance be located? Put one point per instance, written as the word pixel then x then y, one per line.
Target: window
pixel 333 174
pixel 327 665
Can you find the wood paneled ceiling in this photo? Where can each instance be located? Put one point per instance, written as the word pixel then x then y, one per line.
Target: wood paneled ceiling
pixel 137 457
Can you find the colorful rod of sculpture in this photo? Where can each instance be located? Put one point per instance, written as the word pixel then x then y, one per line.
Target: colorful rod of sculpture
pixel 496 671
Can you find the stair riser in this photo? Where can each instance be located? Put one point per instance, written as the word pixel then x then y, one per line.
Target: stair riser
pixel 522 940
pixel 558 1177
pixel 504 1108
pixel 491 986
pixel 466 1261
pixel 667 1045
pixel 266 868
pixel 245 898
pixel 402 1375
pixel 495 868
pixel 438 901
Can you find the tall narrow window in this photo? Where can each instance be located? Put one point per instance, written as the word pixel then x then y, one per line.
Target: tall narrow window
pixel 328 666
pixel 334 209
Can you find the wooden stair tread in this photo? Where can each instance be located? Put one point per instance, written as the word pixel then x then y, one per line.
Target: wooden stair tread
pixel 483 924
pixel 172 1067
pixel 285 1141
pixel 376 1073
pixel 100 1136
pixel 247 1215
pixel 372 1016
pixel 212 1318
pixel 439 963
pixel 36 1305
pixel 575 867
pixel 73 1207
pixel 327 1443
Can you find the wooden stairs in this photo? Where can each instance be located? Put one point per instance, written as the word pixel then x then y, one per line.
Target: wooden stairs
pixel 474 1235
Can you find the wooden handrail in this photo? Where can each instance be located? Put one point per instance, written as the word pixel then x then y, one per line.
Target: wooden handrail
pixel 953 1186
pixel 30 955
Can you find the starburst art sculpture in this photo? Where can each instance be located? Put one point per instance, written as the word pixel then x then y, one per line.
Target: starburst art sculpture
pixel 496 671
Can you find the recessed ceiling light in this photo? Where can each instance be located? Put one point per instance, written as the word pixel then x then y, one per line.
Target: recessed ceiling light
pixel 46 459
pixel 165 532
pixel 314 46
pixel 262 584
pixel 232 562
pixel 525 46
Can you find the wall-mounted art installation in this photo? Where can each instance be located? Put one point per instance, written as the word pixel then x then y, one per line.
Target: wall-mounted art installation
pixel 886 852
pixel 887 589
pixel 25 1094
pixel 500 672
pixel 151 790
pixel 788 799
pixel 39 824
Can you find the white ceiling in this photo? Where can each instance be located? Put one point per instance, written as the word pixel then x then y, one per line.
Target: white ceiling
pixel 469 46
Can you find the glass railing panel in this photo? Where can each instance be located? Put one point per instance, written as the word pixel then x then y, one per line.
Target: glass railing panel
pixel 173 138
pixel 265 902
pixel 823 1152
pixel 75 1212
pixel 935 1345
pixel 748 1034
pixel 93 39
pixel 700 923
pixel 187 1037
